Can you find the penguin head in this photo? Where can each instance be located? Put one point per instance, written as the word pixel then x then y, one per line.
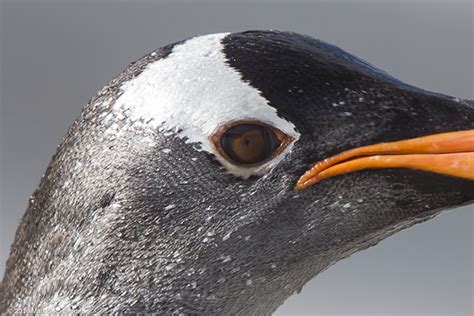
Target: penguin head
pixel 195 157
pixel 229 123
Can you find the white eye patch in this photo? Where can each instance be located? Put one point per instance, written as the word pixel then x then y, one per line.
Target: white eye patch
pixel 195 91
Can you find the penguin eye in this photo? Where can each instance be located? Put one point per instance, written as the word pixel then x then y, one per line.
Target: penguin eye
pixel 249 143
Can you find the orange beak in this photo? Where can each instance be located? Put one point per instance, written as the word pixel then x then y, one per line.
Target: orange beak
pixel 448 153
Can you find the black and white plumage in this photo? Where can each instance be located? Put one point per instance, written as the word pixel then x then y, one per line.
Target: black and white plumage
pixel 138 212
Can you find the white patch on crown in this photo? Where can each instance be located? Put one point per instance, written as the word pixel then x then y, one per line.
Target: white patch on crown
pixel 194 90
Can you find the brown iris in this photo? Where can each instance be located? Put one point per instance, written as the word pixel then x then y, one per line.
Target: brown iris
pixel 248 142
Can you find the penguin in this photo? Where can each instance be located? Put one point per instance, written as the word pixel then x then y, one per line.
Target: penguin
pixel 219 174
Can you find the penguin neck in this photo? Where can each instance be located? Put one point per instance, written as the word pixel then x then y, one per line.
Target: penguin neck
pixel 100 268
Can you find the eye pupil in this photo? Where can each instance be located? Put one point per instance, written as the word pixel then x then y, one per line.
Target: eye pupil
pixel 249 143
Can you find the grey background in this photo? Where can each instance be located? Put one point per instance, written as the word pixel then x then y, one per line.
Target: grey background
pixel 56 54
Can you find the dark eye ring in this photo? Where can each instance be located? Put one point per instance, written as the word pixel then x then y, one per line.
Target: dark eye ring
pixel 249 143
